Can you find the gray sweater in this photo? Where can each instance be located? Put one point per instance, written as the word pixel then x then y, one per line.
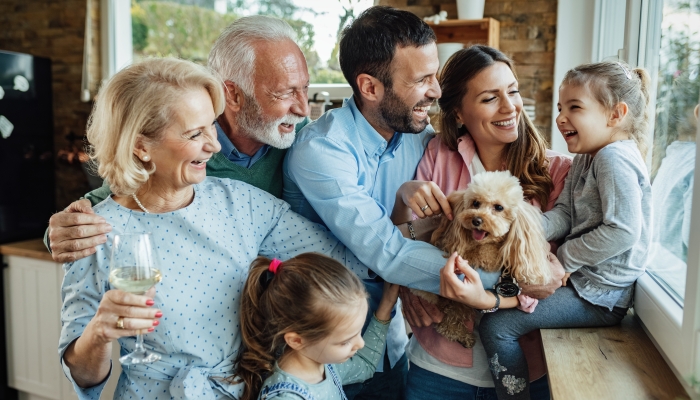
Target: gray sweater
pixel 604 214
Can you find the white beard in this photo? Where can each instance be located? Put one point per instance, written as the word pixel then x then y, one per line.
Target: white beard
pixel 253 124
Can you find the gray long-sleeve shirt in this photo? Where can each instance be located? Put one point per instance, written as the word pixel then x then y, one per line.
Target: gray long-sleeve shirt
pixel 604 213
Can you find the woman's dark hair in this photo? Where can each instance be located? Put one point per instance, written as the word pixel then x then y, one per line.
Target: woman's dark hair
pixel 306 295
pixel 368 44
pixel 526 157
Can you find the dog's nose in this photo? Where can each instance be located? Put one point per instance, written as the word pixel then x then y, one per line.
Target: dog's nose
pixel 476 221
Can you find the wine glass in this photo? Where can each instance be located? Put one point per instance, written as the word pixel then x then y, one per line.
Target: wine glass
pixel 133 269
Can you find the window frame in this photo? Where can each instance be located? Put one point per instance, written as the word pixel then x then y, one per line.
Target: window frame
pixel 117 51
pixel 675 330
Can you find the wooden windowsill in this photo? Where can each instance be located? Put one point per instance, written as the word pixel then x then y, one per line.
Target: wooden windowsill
pixel 618 362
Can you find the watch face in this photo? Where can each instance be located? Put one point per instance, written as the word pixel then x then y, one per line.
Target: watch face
pixel 508 289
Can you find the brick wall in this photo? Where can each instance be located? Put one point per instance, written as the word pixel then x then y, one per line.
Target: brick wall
pixel 528 33
pixel 56 29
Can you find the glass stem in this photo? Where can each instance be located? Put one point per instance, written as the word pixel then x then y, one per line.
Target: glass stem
pixel 139 344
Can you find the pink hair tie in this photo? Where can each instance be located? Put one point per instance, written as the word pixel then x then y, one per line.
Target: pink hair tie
pixel 274 265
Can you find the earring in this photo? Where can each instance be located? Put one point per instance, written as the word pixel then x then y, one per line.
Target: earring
pixel 146 158
pixel 459 124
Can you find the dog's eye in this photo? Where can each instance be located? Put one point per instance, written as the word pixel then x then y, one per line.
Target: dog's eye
pixel 498 207
pixel 476 204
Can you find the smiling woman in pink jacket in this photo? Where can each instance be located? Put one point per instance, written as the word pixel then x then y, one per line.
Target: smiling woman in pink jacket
pixel 482 128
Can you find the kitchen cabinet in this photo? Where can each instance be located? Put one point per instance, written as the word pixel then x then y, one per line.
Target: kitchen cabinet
pixel 32 296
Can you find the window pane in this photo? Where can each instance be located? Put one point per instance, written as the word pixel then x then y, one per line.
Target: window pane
pixel 187 28
pixel 674 148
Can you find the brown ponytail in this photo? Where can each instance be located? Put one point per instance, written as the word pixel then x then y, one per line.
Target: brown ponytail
pixel 306 295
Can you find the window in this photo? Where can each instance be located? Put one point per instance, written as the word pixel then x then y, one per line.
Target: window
pixel 663 36
pixel 674 148
pixel 187 29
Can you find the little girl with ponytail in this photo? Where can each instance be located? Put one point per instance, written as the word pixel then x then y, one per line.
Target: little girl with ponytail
pixel 301 324
pixel 603 214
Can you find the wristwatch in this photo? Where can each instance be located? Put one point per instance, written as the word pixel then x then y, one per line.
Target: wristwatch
pixel 507 286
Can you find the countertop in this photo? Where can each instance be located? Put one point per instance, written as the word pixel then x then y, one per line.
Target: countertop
pixel 29 248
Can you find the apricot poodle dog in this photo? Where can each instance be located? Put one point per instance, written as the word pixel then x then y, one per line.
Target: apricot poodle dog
pixel 494 229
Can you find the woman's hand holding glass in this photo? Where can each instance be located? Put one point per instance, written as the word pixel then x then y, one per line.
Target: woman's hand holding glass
pixel 133 271
pixel 138 316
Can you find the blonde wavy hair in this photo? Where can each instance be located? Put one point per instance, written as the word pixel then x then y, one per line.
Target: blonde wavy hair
pixel 141 101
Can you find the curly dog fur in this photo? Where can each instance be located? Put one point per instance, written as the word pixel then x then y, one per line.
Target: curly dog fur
pixel 494 229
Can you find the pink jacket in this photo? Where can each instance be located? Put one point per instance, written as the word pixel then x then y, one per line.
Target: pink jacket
pixel 451 171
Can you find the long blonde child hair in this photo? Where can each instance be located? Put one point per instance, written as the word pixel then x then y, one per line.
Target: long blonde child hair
pixel 307 294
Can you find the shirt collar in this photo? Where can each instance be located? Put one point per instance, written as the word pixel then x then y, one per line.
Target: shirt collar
pixel 467 149
pixel 373 143
pixel 226 146
pixel 230 151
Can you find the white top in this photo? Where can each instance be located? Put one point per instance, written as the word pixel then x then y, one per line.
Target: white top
pixel 479 374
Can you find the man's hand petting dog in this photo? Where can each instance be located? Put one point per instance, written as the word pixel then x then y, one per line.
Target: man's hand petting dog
pixel 469 291
pixel 424 198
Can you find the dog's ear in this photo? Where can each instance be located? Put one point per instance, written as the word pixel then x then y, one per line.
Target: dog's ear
pixel 524 252
pixel 450 234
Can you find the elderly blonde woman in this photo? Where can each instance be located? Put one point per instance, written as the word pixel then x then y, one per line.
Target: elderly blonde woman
pixel 153 132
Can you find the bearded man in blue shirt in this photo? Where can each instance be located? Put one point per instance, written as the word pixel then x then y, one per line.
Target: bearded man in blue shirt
pixel 344 169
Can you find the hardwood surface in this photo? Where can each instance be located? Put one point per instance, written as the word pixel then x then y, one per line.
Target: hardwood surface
pixel 617 363
pixel 30 248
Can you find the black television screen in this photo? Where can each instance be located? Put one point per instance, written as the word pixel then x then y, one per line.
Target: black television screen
pixel 27 182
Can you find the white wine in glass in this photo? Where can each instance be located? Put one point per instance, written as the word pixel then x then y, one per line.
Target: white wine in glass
pixel 133 269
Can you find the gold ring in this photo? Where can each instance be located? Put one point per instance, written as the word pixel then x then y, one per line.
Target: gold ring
pixel 425 207
pixel 120 323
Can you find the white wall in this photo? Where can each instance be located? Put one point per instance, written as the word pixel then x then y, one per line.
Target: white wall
pixel 587 31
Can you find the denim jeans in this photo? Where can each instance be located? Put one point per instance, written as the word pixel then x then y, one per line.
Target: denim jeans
pixel 387 385
pixel 425 385
pixel 499 332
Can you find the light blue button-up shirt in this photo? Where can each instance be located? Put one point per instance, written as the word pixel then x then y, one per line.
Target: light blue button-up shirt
pixel 341 172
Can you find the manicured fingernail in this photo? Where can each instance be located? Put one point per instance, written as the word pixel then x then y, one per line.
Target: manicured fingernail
pixel 159 314
pixel 156 322
pixel 151 329
pixel 150 302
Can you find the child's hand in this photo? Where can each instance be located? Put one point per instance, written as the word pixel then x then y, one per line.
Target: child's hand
pixel 391 293
pixel 565 278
